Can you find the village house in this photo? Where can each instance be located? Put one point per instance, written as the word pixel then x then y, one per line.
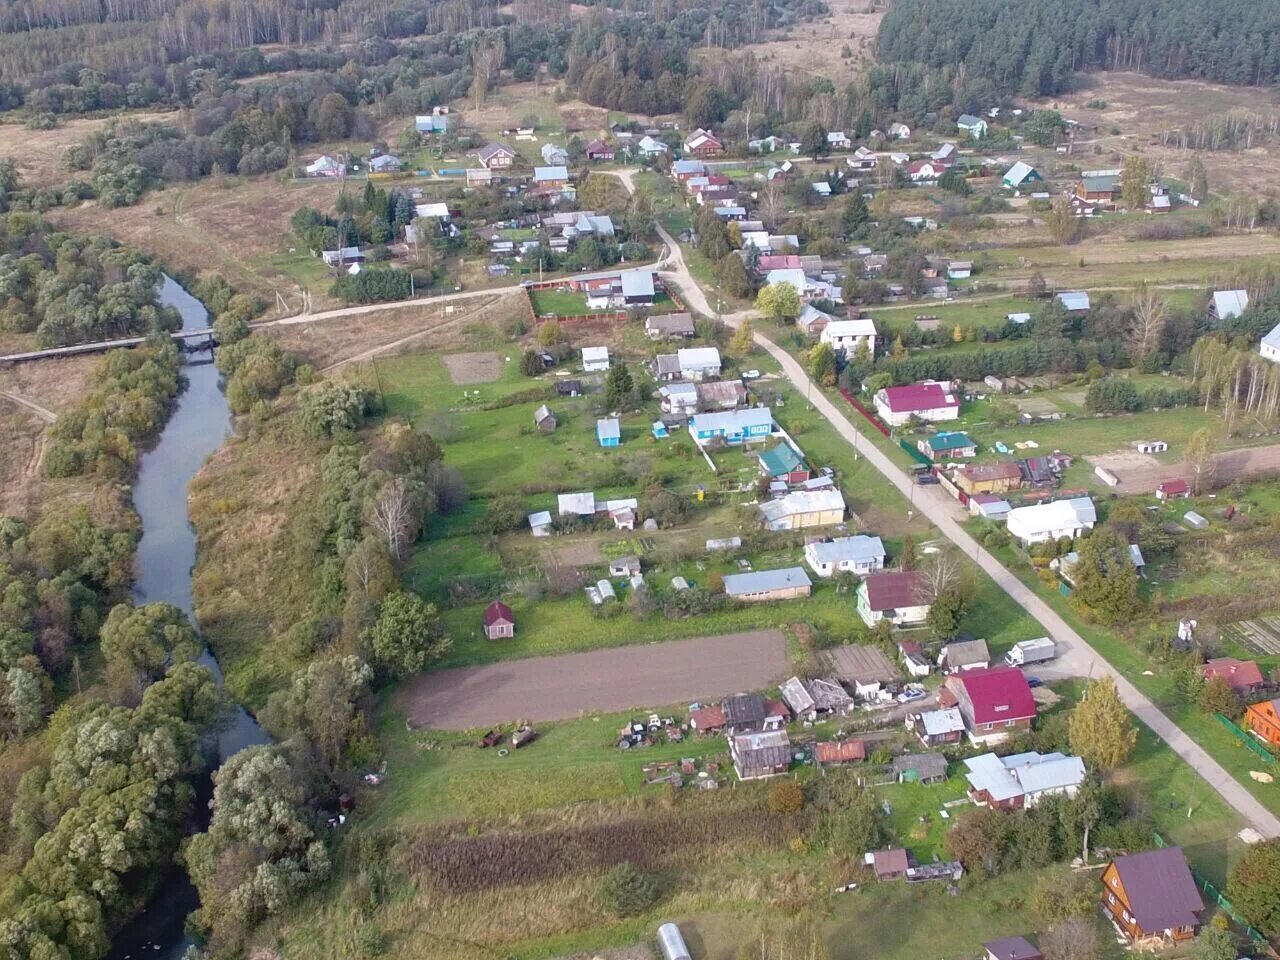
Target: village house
pixel 1052 521
pixel 627 566
pixel 551 178
pixel 707 719
pixel 945 154
pixel 684 170
pixel 499 621
pixel 609 432
pixel 749 712
pixel 937 728
pixel 759 755
pixel 987 478
pixel 678 399
pixel 783 463
pixel 836 753
pixel 1263 721
pixel 994 702
pixel 948 446
pixel 1020 174
pixel 1152 897
pixel 479 177
pixel 975 127
pixel 326 166
pixel 1097 189
pixel 801 509
pixel 1011 948
pixel 865 668
pixel 341 256
pixel 1173 490
pixel 925 171
pixel 544 419
pixel 576 504
pixel 931 401
pixel 858 555
pixel 1074 301
pixel 1270 345
pixel 1022 780
pixel 760 586
pixel 888 864
pixel 899 131
pixel 637 288
pixel 989 506
pixel 721 394
pixel 699 363
pixel 732 426
pixel 425 126
pixel 666 367
pixel 554 155
pixel 669 326
pixel 1228 304
pixel 893 595
pixel 810 699
pixel 598 150
pixel 648 147
pixel 846 336
pixel 961 655
pixel 812 321
pixel 1243 676
pixel 385 163
pixel 496 156
pixel 836 140
pixel 959 269
pixel 914 659
pixel 702 143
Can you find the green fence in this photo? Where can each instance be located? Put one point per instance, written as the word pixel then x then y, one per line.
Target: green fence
pixel 1246 739
pixel 915 454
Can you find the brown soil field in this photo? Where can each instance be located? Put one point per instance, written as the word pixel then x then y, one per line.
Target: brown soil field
pixel 484 367
pixel 238 228
pixel 560 688
pixel 1139 473
pixel 37 154
pixel 1141 107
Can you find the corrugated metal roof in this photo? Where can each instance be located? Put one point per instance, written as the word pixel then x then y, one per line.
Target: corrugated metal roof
pixel 764 581
pixel 1160 888
pixel 857 549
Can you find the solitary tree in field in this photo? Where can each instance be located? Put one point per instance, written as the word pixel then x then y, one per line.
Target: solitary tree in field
pixel 1135 182
pixel 1100 729
pixel 1199 460
pixel 1197 179
pixel 618 386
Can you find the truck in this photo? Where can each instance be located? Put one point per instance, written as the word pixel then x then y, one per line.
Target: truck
pixel 1026 652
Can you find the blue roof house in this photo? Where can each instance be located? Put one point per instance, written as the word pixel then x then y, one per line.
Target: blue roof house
pixel 732 426
pixel 609 433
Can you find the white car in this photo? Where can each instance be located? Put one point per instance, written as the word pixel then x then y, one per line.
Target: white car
pixel 750 374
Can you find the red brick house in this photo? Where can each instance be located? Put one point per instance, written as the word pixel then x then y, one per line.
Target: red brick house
pixel 499 621
pixel 993 702
pixel 1152 896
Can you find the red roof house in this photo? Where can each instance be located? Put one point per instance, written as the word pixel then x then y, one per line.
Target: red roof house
pixel 993 702
pixel 1172 489
pixel 499 621
pixel 780 261
pixel 599 150
pixel 1243 676
pixel 930 400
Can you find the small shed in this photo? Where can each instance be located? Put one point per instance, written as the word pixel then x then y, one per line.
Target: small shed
pixel 624 566
pixel 568 388
pixel 544 419
pixel 888 864
pixel 609 432
pixel 1195 520
pixel 1011 948
pixel 1173 490
pixel 540 523
pixel 660 431
pixel 499 621
pixel 920 768
pixel 1151 446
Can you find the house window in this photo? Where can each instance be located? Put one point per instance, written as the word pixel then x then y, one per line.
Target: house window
pixel 986 726
pixel 1111 897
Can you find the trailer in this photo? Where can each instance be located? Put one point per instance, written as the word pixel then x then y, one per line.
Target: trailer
pixel 1026 652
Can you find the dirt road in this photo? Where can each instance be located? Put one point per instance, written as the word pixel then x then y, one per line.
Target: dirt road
pixel 541 689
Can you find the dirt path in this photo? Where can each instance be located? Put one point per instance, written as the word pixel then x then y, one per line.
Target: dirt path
pixel 541 689
pixel 42 412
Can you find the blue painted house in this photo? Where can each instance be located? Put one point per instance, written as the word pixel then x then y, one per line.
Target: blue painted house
pixel 609 433
pixel 732 426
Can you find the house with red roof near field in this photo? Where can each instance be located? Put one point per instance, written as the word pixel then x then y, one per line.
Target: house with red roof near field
pixel 599 150
pixel 702 143
pixel 1243 676
pixel 993 702
pixel 499 621
pixel 930 400
pixel 1173 490
pixel 893 595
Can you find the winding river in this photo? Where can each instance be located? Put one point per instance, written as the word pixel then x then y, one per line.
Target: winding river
pixel 199 424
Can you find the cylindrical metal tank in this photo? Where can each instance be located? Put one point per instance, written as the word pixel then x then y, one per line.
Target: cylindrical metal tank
pixel 672 943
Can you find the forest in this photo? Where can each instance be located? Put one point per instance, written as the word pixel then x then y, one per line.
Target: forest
pixel 1035 48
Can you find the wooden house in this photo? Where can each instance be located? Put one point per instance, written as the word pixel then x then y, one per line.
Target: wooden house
pixel 1263 721
pixel 499 621
pixel 1152 896
pixel 544 419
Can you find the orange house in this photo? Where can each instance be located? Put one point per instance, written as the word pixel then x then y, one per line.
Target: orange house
pixel 1263 720
pixel 1152 896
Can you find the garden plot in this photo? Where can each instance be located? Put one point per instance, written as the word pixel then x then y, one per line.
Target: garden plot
pixel 464 368
pixel 1262 636
pixel 1036 406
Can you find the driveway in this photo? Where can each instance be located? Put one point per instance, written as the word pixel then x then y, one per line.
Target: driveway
pixel 541 689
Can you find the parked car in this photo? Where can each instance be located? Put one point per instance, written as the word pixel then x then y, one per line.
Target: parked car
pixel 492 738
pixel 523 736
pixel 911 694
pixel 1034 681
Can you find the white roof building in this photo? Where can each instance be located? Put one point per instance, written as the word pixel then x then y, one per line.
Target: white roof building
pixel 848 335
pixel 432 211
pixel 595 358
pixel 1023 779
pixel 1052 521
pixel 858 554
pixel 1229 303
pixel 1074 300
pixel 1270 346
pixel 696 363
pixel 576 504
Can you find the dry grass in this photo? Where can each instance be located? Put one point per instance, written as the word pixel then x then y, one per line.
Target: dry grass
pixel 814 47
pixel 1141 106
pixel 346 340
pixel 37 154
pixel 482 367
pixel 238 228
pixel 20 455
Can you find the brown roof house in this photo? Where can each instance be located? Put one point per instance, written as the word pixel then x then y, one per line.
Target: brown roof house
pixel 1152 896
pixel 893 595
pixel 1011 948
pixel 988 478
pixel 499 621
pixel 763 754
pixel 888 864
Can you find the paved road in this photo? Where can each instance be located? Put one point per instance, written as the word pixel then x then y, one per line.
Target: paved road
pixel 541 689
pixel 1076 657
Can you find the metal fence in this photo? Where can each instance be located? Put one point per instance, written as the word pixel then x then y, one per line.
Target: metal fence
pixel 1246 739
pixel 1216 896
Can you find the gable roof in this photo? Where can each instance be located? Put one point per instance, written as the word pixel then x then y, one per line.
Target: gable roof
pixel 840 751
pixel 856 549
pixel 1161 892
pixel 670 323
pixel 861 327
pixel 1074 299
pixel 781 459
pixel 608 429
pixel 1229 303
pixel 968 120
pixel 743 708
pixel 762 581
pixel 1019 173
pixel 801 502
pixel 637 283
pixel 964 652
pixel 997 694
pixel 919 396
pixel 1056 515
pixel 952 440
pixel 698 358
pixel 493 149
pixel 1240 674
pixel 893 589
pixel 498 612
pixel 732 421
pixel 1005 778
pixel 890 861
pixel 1012 948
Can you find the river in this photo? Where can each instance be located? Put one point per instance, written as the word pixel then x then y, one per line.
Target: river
pixel 199 424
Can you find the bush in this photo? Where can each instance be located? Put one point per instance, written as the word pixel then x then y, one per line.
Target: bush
pixel 785 796
pixel 627 892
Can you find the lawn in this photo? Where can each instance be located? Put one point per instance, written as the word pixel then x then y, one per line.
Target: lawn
pixel 986 312
pixel 563 303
